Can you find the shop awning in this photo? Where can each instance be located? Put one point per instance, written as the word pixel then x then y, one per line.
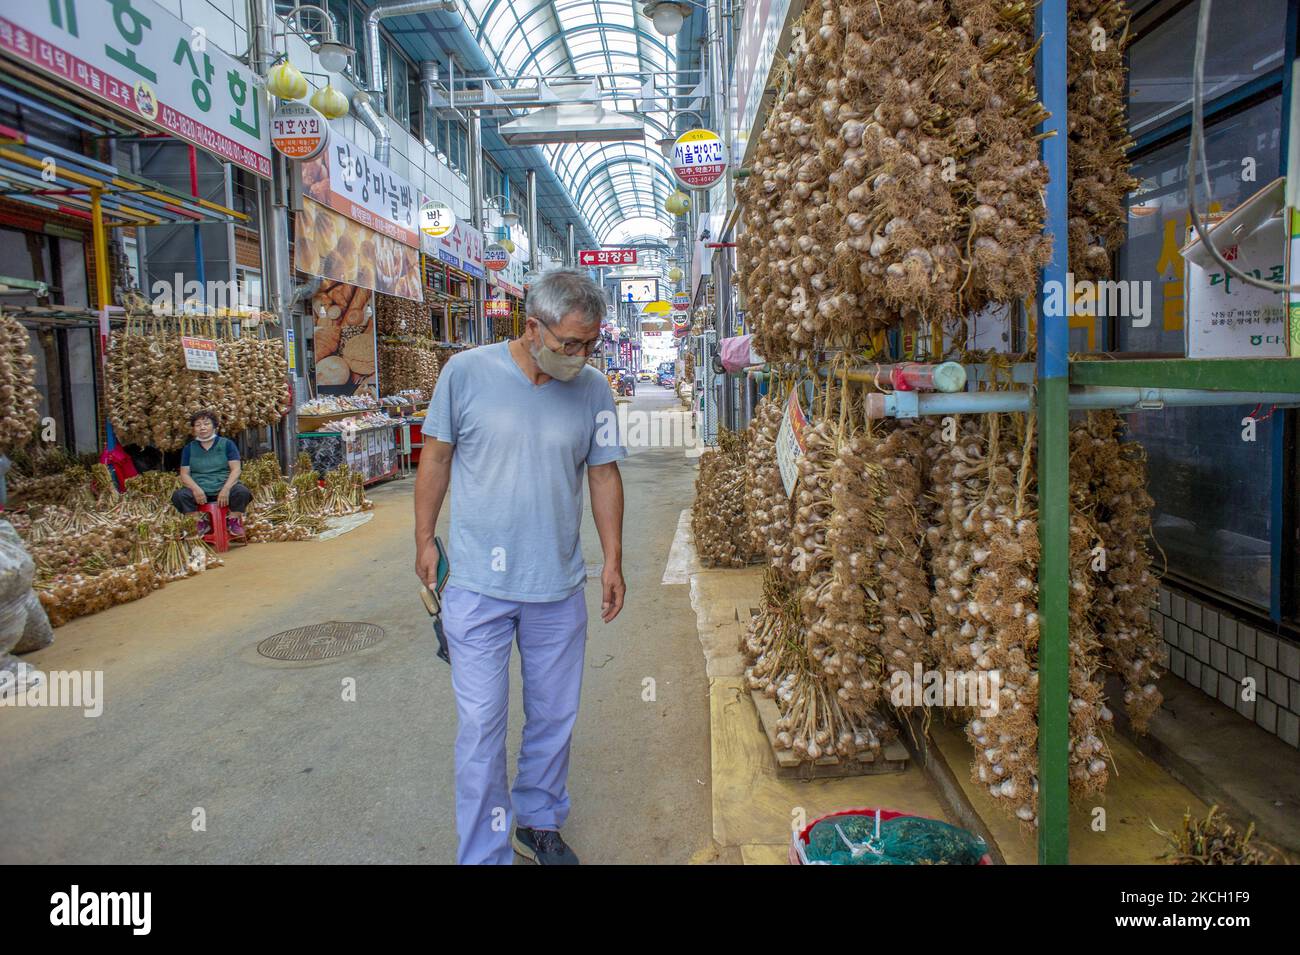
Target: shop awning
pixel 41 174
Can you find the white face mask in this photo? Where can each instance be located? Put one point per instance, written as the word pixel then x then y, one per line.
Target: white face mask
pixel 555 363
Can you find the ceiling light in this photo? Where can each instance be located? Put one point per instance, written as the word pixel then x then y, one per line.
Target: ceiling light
pixel 667 15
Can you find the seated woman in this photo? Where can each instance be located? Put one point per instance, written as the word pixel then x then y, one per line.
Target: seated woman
pixel 210 471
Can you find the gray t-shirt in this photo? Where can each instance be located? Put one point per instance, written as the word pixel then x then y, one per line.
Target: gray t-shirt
pixel 517 470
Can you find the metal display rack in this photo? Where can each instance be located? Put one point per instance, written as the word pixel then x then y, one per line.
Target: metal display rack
pixel 1062 384
pixel 1052 387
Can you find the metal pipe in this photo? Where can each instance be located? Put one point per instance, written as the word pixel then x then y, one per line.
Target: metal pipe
pixel 305 290
pixel 478 319
pixel 572 260
pixel 534 240
pixel 373 121
pixel 375 85
pixel 273 211
pixel 917 404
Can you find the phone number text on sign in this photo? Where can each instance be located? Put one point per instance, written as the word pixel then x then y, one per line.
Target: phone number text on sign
pixel 699 159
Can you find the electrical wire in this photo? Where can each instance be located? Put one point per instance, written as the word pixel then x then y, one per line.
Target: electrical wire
pixel 1196 150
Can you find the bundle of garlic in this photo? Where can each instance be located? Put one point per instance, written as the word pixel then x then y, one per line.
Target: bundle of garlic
pixel 19 400
pixel 768 504
pixel 813 722
pixel 718 514
pixel 773 644
pixel 1114 473
pixel 985 552
pixel 1098 132
pixel 402 316
pixel 407 364
pixel 66 598
pixel 811 556
pixel 151 392
pixel 993 518
pixel 898 175
pixel 895 555
pixel 851 615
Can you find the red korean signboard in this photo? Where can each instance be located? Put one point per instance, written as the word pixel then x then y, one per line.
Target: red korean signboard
pixel 607 257
pixel 497 308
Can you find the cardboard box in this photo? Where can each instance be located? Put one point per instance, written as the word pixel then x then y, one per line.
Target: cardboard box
pixel 1225 317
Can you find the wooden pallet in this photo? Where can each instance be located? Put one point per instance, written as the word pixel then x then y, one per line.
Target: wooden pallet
pixel 892 758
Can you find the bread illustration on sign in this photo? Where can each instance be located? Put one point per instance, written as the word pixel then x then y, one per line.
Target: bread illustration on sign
pixel 344 336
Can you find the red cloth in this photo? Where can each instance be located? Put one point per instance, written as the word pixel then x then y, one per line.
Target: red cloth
pixel 120 466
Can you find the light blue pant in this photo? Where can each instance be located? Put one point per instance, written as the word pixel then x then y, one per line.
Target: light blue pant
pixel 552 642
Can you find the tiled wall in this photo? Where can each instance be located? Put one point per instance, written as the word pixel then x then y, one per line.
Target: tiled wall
pixel 1214 651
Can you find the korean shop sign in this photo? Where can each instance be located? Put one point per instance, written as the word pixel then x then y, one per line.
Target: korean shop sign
pixel 607 257
pixel 436 219
pixel 352 182
pixel 461 248
pixel 699 158
pixel 136 56
pixel 298 131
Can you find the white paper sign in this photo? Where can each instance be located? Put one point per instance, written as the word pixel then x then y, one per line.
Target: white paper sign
pixel 789 441
pixel 200 354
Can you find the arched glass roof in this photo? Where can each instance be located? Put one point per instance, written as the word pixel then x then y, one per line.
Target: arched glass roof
pixel 612 183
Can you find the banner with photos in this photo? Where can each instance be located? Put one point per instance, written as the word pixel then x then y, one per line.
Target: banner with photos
pixel 335 247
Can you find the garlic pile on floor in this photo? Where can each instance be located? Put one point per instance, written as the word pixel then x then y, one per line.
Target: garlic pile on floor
pixel 719 519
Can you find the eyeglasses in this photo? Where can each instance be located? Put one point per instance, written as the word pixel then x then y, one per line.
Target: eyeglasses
pixel 574 346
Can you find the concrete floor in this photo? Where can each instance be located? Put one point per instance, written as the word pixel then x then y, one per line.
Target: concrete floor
pixel 287 771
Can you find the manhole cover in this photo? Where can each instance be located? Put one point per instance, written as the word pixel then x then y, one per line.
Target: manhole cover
pixel 320 641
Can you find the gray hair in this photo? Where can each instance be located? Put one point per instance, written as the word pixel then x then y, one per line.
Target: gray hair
pixel 561 292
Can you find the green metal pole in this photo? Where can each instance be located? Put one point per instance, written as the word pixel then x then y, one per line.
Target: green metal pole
pixel 1053 458
pixel 1053 615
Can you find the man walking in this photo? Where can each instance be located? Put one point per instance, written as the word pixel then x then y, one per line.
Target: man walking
pixel 511 428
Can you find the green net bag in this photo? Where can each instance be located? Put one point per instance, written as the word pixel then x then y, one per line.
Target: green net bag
pixel 872 839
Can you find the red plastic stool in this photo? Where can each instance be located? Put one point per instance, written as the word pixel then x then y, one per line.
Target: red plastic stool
pixel 219 535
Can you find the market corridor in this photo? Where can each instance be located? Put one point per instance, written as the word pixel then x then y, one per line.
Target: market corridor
pixel 286 771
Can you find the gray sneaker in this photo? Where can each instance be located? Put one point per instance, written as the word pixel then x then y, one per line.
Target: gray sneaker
pixel 543 846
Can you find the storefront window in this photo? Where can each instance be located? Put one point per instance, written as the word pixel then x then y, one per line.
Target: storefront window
pixel 1160 78
pixel 359 62
pixel 1212 488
